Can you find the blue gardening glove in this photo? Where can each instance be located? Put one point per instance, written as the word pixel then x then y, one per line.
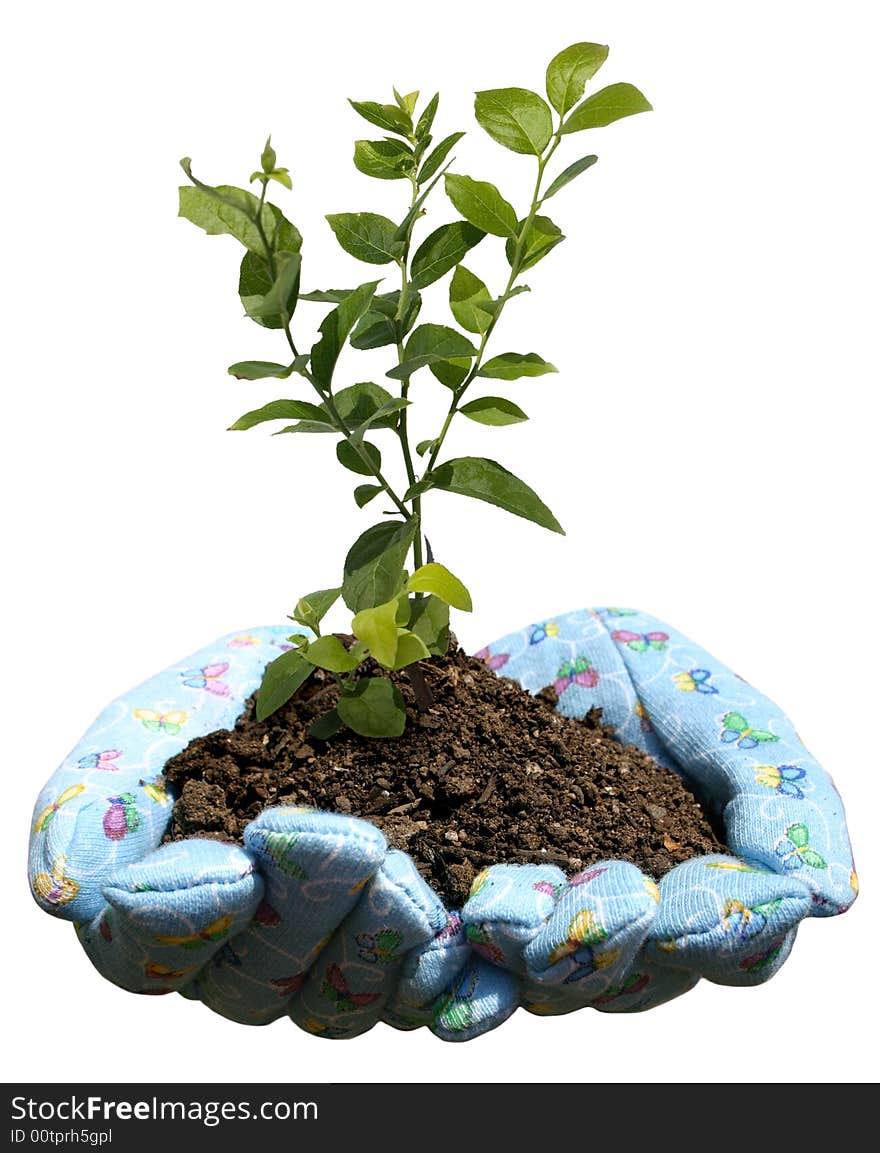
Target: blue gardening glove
pixel 314 917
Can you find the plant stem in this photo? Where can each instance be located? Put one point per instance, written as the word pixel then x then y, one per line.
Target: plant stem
pixel 515 267
pixel 402 425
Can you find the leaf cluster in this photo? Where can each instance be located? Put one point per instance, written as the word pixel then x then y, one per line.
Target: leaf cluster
pixel 398 596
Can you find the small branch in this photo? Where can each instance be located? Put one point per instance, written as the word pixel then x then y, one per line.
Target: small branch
pixel 515 268
pixel 420 687
pixel 402 430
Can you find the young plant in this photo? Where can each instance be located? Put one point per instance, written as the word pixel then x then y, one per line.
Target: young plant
pixel 401 611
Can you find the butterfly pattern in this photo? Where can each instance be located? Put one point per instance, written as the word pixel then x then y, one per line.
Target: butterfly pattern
pixel 576 672
pixel 763 960
pixel 156 791
pixel 121 817
pixel 641 642
pixel 795 851
pixel 585 934
pixel 782 778
pixel 103 760
pixel 335 988
pixel 743 921
pixel 169 723
pixel 494 661
pixel 287 986
pixel 735 729
pixel 543 631
pixel 208 678
pixel 482 944
pixel 55 887
pixel 456 1010
pixel 212 933
pixel 695 681
pixel 44 820
pixel 634 984
pixel 379 948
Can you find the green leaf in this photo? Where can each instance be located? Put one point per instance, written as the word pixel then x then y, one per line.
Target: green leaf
pixel 282 175
pixel 373 707
pixel 407 103
pixel 280 301
pixel 328 296
pixel 606 106
pixel 403 610
pixel 383 159
pixel 384 417
pixel 310 610
pixel 515 117
pixel 326 726
pixel 424 446
pixel 377 628
pixel 226 210
pixel 493 410
pixel 330 653
pixel 254 283
pixel 280 681
pixel 426 120
pixel 487 480
pixel 308 426
pixel 335 329
pixel 360 404
pixel 569 174
pixel 482 204
pixel 258 369
pixel 279 410
pixel 513 365
pixel 451 373
pixel 366 236
pixel 349 458
pixel 402 232
pixel 440 340
pixel 439 581
pixel 374 566
pixel 384 116
pixel 469 301
pixel 428 344
pixel 378 326
pixel 268 160
pixel 569 71
pixel 520 288
pixel 434 160
pixel 410 648
pixel 442 250
pixel 364 493
pixel 429 621
pixel 542 236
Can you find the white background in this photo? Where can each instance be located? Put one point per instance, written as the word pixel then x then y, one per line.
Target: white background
pixel 710 442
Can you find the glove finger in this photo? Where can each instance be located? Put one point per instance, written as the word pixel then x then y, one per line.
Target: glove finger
pixel 728 921
pixel 482 998
pixel 348 989
pixel 507 907
pixel 315 866
pixel 597 930
pixel 170 913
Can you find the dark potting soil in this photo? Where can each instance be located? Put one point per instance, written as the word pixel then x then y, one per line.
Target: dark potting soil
pixel 488 774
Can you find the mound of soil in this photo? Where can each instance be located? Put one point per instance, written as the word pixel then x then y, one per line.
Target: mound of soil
pixel 487 774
